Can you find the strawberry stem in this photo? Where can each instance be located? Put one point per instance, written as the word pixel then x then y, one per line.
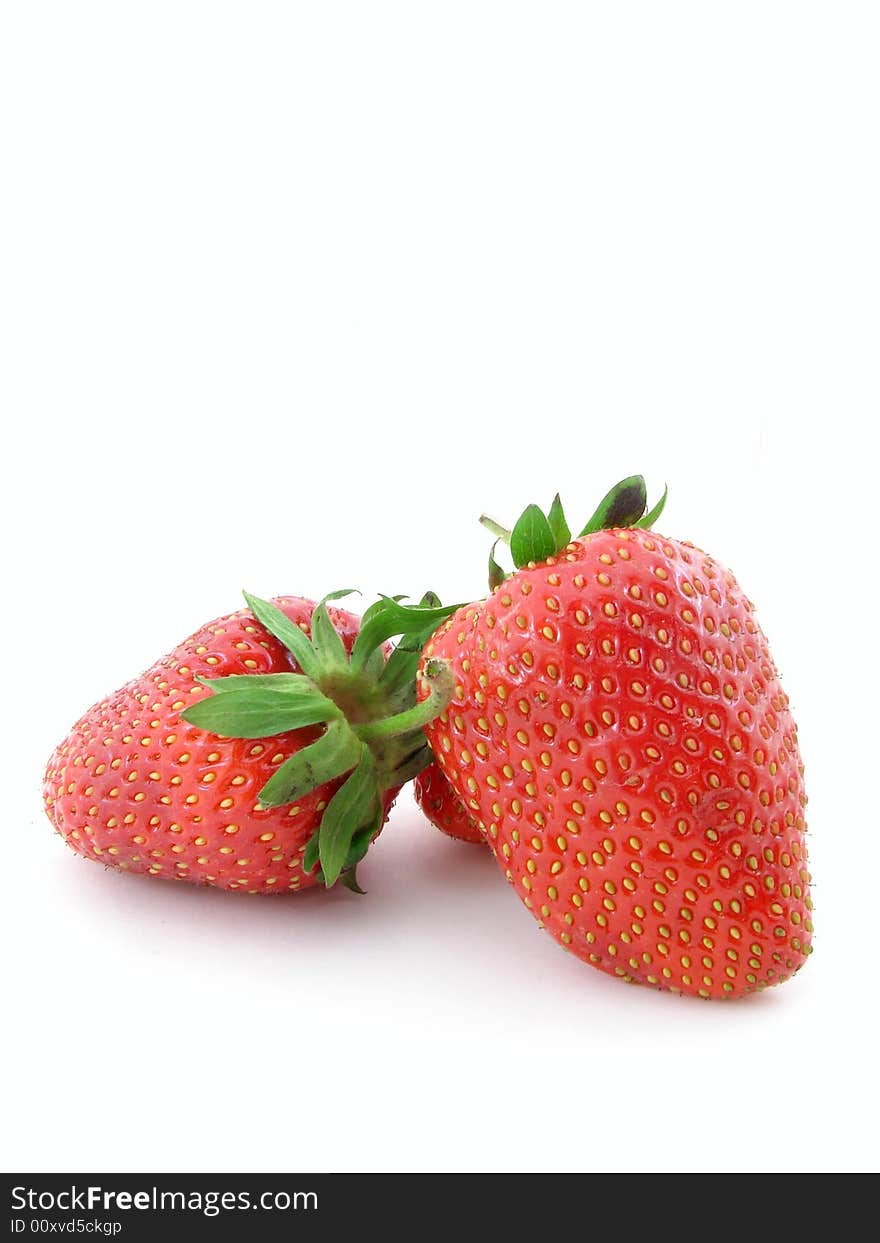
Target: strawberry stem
pixel 438 675
pixel 496 529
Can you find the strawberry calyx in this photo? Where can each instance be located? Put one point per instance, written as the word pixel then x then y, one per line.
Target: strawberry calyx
pixel 537 535
pixel 366 702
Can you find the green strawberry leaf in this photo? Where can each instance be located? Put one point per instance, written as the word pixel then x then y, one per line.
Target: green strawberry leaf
pixel 392 618
pixel 310 855
pixel 348 877
pixel 360 842
pixel 651 517
pixel 374 665
pixel 292 682
pixel 414 640
pixel 260 711
pixel 340 593
pixel 531 538
pixel 352 807
pixel 326 640
pixel 416 762
pixel 400 670
pixel 496 573
pixel 286 632
pixel 558 524
pixel 377 607
pixel 623 506
pixel 400 684
pixel 399 675
pixel 337 751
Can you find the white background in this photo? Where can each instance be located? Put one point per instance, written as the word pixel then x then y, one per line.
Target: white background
pixel 292 292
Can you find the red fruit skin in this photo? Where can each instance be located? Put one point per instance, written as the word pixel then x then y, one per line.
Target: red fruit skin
pixel 135 787
pixel 619 731
pixel 443 807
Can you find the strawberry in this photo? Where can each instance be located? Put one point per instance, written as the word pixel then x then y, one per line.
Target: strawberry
pixel 262 754
pixel 619 732
pixel 443 807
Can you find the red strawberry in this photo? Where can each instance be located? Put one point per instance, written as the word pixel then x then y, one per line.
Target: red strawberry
pixel 248 788
pixel 619 731
pixel 443 807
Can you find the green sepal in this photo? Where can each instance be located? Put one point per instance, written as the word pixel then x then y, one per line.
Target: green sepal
pixel 623 506
pixel 416 762
pixel 496 574
pixel 286 632
pixel 377 606
pixel 339 594
pixel 531 538
pixel 310 854
pixel 375 664
pixel 360 842
pixel 351 808
pixel 260 711
pixel 391 619
pixel 327 641
pixel 653 514
pixel 348 877
pixel 357 850
pixel 559 525
pixel 398 676
pixel 400 670
pixel 337 751
pixel 414 640
pixel 237 682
